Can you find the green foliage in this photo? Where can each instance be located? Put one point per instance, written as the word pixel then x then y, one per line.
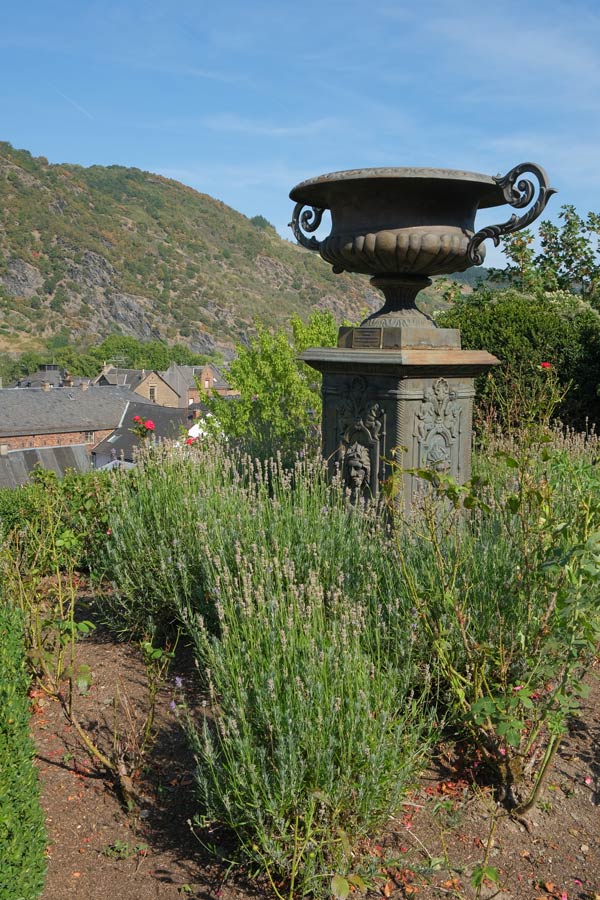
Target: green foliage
pixel 126 352
pixel 280 404
pixel 508 599
pixel 570 254
pixel 524 331
pixel 72 509
pixel 22 831
pixel 124 850
pixel 182 507
pixel 521 272
pixel 569 259
pixel 261 222
pixel 279 561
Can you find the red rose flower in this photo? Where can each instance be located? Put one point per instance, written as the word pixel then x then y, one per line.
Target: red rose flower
pixel 136 419
pixel 149 425
pixel 190 440
pixel 545 365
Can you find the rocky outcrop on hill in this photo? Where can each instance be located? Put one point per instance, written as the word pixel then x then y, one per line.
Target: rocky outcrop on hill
pixel 21 279
pixel 86 252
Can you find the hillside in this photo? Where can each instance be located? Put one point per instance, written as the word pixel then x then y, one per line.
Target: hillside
pixel 86 252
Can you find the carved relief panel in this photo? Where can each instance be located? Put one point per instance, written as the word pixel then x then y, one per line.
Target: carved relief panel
pixel 360 436
pixel 437 427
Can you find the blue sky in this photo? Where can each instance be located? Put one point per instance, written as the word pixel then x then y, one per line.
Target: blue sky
pixel 242 100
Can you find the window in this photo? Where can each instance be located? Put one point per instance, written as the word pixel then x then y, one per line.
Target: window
pixel 152 393
pixel 88 437
pixel 207 383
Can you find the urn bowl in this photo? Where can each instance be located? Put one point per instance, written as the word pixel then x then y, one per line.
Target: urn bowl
pixel 397 220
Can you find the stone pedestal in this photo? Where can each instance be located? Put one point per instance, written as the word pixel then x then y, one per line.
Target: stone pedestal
pixel 397 394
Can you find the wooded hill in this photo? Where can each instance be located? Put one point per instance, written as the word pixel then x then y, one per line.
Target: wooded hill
pixel 87 252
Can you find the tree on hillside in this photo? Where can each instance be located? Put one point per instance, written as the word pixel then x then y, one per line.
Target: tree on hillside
pixel 121 350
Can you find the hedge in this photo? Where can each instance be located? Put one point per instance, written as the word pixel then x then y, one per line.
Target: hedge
pixel 22 829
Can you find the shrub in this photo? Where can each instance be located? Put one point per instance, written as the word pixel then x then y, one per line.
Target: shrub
pixel 22 831
pixel 72 508
pixel 182 508
pixel 524 331
pixel 507 597
pixel 312 737
pixel 279 408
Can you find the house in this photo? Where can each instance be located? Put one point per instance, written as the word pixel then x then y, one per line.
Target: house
pixel 61 417
pixel 148 384
pixel 50 375
pixel 190 382
pixel 54 428
pixel 62 428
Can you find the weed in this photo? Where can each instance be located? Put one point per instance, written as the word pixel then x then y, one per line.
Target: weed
pixel 123 850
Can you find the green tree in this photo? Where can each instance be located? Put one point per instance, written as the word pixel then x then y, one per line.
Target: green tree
pixel 569 259
pixel 524 331
pixel 521 271
pixel 570 253
pixel 131 353
pixel 280 403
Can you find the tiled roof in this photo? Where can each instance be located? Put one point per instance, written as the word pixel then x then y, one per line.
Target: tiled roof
pixel 183 378
pixel 121 377
pixel 168 421
pixel 52 376
pixel 36 411
pixel 16 466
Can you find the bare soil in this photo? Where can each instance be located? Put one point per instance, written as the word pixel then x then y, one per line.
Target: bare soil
pixel 98 850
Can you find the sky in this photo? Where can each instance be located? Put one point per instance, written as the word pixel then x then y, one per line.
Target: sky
pixel 242 99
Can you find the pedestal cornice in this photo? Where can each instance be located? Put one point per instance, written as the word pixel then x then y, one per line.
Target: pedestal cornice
pixel 405 363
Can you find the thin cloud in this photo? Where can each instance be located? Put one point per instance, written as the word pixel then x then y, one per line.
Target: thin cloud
pixel 211 178
pixel 226 122
pixel 73 103
pixel 566 54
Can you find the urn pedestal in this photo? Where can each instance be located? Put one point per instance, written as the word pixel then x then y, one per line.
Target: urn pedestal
pixel 397 395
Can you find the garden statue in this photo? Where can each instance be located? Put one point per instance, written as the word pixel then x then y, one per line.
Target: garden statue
pixel 398 389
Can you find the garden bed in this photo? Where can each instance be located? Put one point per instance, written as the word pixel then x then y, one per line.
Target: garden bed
pixel 97 849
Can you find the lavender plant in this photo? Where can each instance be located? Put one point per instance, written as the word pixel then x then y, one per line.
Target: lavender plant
pixel 180 509
pixel 310 738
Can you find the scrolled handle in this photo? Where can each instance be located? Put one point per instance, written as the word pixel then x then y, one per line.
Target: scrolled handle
pixel 309 220
pixel 517 193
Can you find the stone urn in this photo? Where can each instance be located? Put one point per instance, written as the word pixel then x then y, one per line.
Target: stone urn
pixel 398 391
pixel 401 225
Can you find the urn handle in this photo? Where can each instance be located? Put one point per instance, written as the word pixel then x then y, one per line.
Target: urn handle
pixel 517 193
pixel 309 220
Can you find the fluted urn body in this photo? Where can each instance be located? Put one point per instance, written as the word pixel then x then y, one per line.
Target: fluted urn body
pixel 401 220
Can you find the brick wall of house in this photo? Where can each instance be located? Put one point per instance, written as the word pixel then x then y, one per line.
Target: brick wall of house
pixel 27 441
pixel 164 395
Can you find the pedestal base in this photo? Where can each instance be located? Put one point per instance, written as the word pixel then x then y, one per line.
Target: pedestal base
pixel 411 406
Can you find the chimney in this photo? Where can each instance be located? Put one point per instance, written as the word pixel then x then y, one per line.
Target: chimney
pixel 84 385
pixel 3 449
pixel 45 385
